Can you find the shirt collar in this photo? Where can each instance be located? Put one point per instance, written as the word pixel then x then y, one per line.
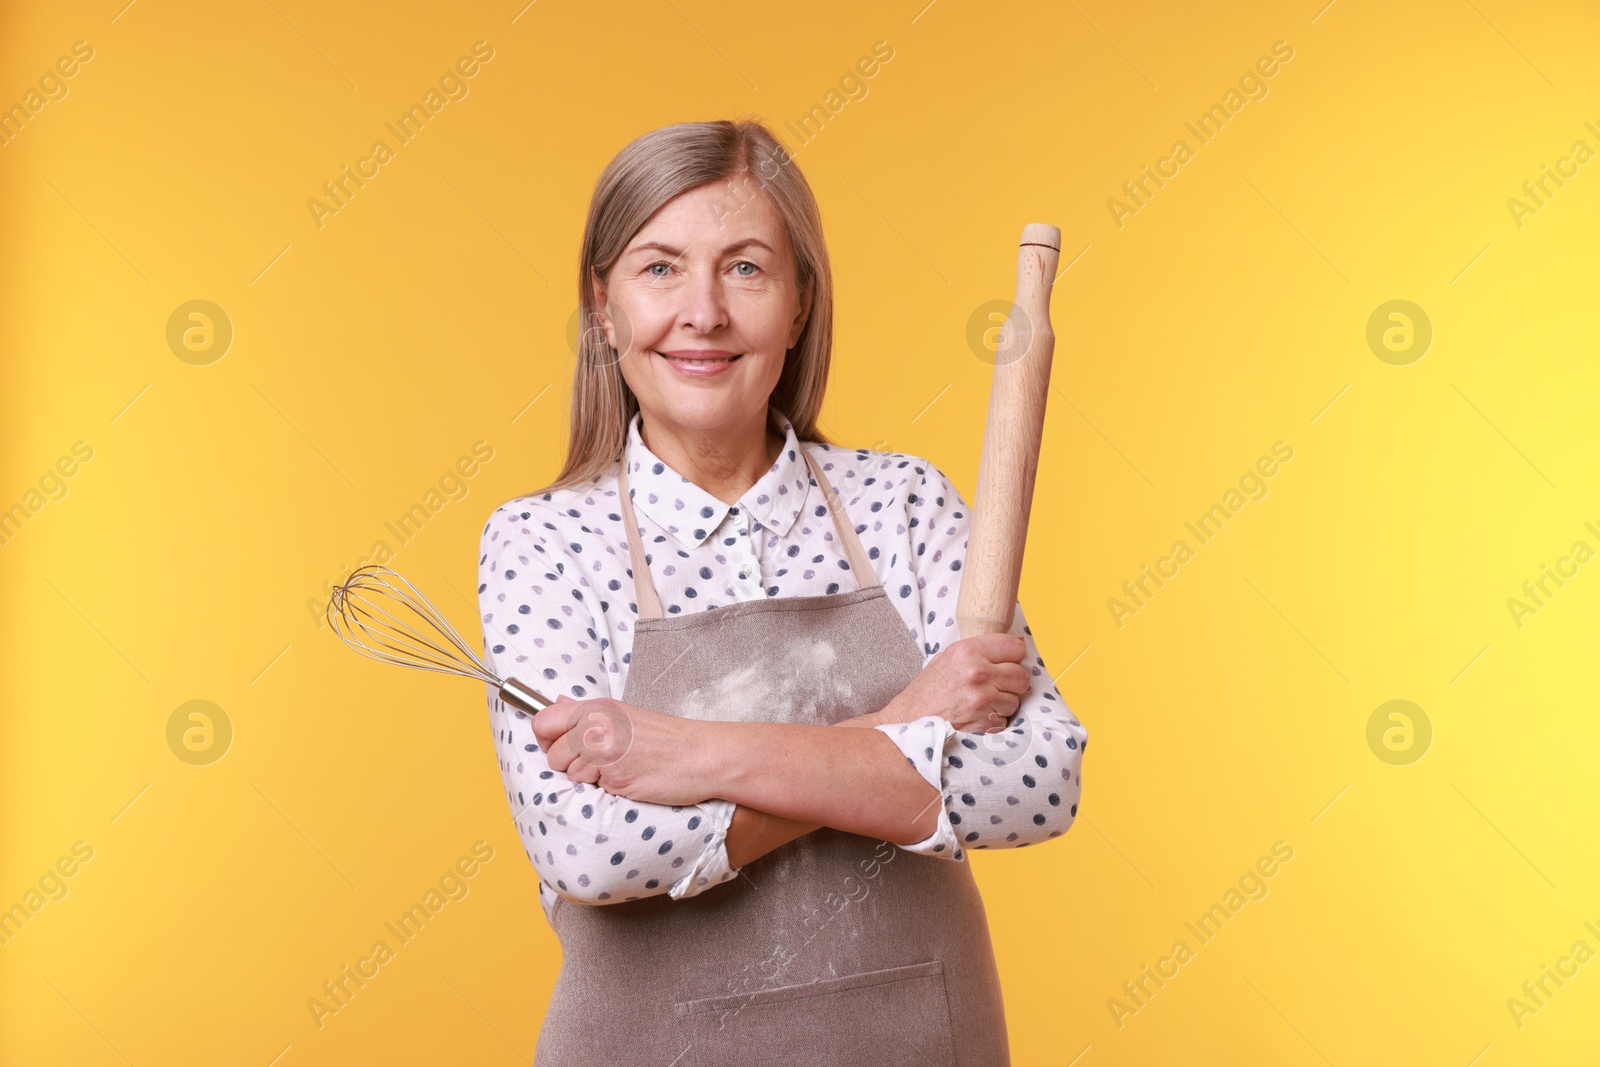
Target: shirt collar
pixel 690 514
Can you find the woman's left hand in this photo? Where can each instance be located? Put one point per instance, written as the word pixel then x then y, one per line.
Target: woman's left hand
pixel 629 751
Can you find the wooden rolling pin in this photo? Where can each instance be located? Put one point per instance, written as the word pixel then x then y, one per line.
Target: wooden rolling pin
pixel 1012 432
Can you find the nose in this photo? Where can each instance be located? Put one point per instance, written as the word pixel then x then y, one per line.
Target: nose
pixel 705 307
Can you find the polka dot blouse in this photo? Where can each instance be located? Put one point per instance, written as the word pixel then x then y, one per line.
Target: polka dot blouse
pixel 558 613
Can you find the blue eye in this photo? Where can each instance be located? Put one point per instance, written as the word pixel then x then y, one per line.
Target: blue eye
pixel 746 263
pixel 653 266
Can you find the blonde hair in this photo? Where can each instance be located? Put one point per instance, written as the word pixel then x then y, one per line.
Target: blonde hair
pixel 638 182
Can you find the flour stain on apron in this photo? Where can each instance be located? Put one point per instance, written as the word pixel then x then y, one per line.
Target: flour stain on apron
pixel 801 677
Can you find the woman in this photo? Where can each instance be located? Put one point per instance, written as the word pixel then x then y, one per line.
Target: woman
pixel 750 806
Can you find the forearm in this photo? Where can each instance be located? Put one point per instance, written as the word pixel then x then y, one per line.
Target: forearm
pixel 753 832
pixel 855 780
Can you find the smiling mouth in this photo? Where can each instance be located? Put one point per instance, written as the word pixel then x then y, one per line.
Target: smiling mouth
pixel 701 362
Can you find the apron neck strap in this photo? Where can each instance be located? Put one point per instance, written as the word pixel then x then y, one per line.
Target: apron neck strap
pixel 860 565
pixel 644 590
pixel 649 603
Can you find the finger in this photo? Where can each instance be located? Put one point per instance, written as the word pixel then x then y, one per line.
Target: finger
pixel 593 738
pixel 559 754
pixel 553 720
pixel 603 735
pixel 1003 703
pixel 995 722
pixel 564 750
pixel 581 770
pixel 1012 678
pixel 1002 693
pixel 1000 709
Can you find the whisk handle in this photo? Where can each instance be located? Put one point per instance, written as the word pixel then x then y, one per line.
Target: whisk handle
pixel 518 695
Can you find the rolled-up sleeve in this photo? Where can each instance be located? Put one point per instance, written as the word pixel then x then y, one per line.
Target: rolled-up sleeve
pixel 587 845
pixel 1017 787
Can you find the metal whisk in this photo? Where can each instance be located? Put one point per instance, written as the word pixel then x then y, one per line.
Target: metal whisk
pixel 381 614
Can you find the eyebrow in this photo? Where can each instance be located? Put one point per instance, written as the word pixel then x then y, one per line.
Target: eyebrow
pixel 675 252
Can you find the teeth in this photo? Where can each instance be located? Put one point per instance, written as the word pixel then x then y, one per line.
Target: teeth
pixel 703 362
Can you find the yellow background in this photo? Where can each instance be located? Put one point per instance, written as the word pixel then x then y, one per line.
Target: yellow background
pixel 1229 313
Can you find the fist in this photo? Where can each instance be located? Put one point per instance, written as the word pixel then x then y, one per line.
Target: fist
pixel 630 751
pixel 581 736
pixel 977 684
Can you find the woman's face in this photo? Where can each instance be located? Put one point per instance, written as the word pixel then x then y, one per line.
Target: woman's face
pixel 711 276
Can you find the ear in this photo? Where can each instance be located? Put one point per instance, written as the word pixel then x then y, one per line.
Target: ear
pixel 799 324
pixel 598 291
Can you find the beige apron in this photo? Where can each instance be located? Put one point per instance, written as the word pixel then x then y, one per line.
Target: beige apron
pixel 831 949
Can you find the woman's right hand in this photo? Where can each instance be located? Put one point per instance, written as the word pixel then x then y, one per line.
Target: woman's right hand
pixel 977 683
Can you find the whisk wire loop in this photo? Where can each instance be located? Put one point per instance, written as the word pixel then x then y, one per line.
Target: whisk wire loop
pixel 381 615
pixel 363 612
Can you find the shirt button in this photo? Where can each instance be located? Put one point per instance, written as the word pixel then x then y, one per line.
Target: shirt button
pixel 744 572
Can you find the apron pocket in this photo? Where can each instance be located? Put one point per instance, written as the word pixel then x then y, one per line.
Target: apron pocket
pixel 894 1017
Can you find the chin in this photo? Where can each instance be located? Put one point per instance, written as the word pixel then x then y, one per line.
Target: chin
pixel 701 412
pixel 701 409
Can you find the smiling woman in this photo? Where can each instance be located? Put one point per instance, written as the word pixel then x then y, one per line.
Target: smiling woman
pixel 751 636
pixel 670 292
pixel 738 253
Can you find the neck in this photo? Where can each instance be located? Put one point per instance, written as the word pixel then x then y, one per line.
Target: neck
pixel 725 462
